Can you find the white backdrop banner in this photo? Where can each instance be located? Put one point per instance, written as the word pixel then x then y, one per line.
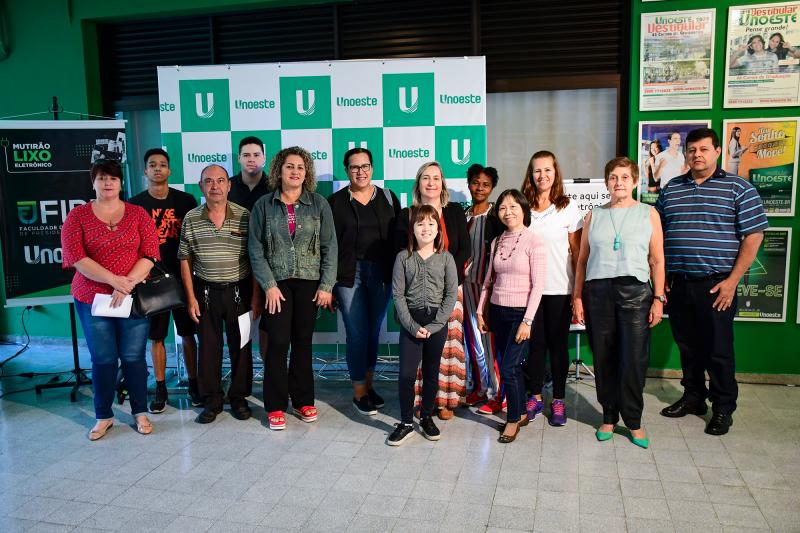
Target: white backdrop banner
pixel 405 111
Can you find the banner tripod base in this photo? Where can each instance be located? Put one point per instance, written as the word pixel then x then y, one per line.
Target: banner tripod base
pixel 580 365
pixel 577 329
pixel 78 373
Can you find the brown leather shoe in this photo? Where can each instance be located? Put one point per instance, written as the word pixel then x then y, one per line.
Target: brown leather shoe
pixel 506 439
pixel 445 413
pixel 524 421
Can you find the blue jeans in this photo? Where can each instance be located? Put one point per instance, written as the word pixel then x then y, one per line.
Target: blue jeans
pixel 363 308
pixel 111 340
pixel 504 322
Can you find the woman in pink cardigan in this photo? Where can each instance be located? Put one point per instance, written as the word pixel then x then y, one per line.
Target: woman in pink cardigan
pixel 515 281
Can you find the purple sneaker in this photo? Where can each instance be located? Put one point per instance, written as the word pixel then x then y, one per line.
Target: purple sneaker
pixel 534 407
pixel 558 415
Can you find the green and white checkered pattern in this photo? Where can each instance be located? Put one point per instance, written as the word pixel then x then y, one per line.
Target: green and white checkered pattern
pixel 406 111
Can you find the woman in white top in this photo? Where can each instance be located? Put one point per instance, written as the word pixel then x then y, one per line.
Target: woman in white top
pixel 558 220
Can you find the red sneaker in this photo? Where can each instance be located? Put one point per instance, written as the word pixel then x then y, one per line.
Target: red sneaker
pixel 277 420
pixel 308 413
pixel 475 397
pixel 491 407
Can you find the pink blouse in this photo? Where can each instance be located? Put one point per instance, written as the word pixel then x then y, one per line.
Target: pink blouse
pixel 516 272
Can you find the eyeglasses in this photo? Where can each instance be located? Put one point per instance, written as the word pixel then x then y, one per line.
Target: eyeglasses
pixel 355 168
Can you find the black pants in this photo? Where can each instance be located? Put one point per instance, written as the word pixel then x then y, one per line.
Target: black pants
pixel 412 351
pixel 293 326
pixel 221 305
pixel 550 333
pixel 705 339
pixel 616 312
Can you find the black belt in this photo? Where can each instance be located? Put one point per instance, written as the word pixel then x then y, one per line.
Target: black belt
pixel 215 285
pixel 707 277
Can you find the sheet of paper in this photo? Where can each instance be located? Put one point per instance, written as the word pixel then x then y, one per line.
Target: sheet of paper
pixel 247 328
pixel 101 306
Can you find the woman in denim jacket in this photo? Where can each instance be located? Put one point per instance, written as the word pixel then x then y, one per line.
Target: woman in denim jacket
pixel 293 254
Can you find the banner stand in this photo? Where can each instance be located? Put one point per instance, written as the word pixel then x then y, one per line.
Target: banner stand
pixel 77 371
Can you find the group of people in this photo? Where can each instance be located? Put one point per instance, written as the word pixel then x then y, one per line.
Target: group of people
pixel 757 56
pixel 484 297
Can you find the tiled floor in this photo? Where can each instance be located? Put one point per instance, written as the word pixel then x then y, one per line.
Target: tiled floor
pixel 337 474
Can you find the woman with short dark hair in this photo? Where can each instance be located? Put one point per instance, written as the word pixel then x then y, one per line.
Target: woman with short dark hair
pixel 483 226
pixel 112 245
pixel 622 252
pixel 364 215
pixel 513 285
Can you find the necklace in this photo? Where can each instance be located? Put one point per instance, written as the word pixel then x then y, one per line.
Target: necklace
pixel 617 240
pixel 502 243
pixel 111 224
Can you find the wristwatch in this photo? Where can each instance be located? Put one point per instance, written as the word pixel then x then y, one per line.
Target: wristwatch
pixel 661 298
pixel 527 321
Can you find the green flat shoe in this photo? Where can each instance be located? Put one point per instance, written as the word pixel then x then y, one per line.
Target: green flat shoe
pixel 604 435
pixel 641 443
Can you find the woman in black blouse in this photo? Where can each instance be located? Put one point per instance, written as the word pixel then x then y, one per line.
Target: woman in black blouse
pixel 364 215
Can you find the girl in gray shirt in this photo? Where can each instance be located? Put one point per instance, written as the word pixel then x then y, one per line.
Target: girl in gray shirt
pixel 425 288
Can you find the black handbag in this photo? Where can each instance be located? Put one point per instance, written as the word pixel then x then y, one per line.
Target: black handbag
pixel 158 293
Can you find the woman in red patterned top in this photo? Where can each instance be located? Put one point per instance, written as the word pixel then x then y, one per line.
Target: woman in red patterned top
pixel 111 245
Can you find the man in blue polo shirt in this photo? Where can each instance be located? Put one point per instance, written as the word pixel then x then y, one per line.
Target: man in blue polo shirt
pixel 713 225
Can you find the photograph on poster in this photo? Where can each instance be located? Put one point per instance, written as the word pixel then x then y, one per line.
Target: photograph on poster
pixel 661 154
pixel 677 60
pixel 762 290
pixel 763 56
pixel 764 152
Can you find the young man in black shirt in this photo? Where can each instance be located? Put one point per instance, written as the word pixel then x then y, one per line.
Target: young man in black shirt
pixel 248 186
pixel 251 183
pixel 168 206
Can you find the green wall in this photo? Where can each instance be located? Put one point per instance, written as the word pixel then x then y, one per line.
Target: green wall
pixel 761 347
pixel 54 52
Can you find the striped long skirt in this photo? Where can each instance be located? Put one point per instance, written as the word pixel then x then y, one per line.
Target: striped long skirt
pixel 483 373
pixel 452 368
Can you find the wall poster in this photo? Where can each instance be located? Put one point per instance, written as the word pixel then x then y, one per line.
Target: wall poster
pixel 661 154
pixel 764 152
pixel 677 60
pixel 763 57
pixel 762 290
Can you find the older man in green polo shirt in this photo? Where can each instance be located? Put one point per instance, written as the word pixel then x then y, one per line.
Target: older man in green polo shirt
pixel 215 269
